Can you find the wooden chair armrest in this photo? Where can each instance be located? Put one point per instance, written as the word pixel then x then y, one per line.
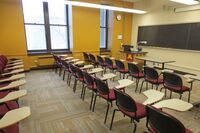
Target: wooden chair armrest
pixel 14 116
pixel 13 96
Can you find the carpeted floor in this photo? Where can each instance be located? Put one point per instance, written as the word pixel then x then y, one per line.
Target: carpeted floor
pixel 55 108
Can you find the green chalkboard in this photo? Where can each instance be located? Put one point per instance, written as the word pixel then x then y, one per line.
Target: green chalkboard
pixel 178 36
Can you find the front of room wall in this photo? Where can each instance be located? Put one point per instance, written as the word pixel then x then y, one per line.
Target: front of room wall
pixel 85 30
pixel 187 61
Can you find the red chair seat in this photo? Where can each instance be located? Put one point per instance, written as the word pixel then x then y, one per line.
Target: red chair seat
pixel 92 87
pixel 141 75
pixel 3 110
pixel 188 131
pixel 155 81
pixel 178 89
pixel 4 84
pixel 6 71
pixel 112 67
pixel 3 94
pixel 123 70
pixel 12 105
pixel 102 64
pixel 95 62
pixel 11 129
pixel 141 111
pixel 1 78
pixel 110 97
pixel 67 69
pixel 81 79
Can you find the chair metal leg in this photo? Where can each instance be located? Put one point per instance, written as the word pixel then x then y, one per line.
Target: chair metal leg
pixel 106 113
pixel 141 86
pixel 189 97
pixel 84 93
pixel 83 86
pixel 135 127
pixel 180 96
pixel 161 89
pixel 147 85
pixel 123 75
pixel 156 87
pixel 70 80
pixel 137 82
pixel 102 73
pixel 113 115
pixel 151 86
pixel 94 103
pixel 170 94
pixel 91 100
pixel 127 76
pixel 60 71
pixel 56 68
pixel 75 83
pixel 131 120
pixel 105 70
pixel 114 71
pixel 64 74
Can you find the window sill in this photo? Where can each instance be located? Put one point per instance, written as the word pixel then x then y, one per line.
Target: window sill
pixel 104 50
pixel 47 53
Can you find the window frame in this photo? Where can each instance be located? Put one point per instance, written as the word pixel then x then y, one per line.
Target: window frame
pixel 47 26
pixel 106 28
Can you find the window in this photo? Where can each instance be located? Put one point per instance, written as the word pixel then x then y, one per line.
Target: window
pixel 103 28
pixel 46 25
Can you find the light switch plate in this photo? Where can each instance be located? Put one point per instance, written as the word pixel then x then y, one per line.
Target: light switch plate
pixel 119 37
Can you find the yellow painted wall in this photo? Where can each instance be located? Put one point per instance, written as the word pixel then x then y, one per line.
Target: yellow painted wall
pixel 12 28
pixel 86 31
pixel 86 28
pixel 122 27
pixel 12 39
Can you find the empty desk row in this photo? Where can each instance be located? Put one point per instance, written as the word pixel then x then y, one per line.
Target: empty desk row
pixel 11 78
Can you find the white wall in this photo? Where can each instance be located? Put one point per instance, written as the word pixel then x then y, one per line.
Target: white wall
pixel 161 12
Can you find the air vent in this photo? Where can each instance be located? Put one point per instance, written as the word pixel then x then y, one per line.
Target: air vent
pixel 187 8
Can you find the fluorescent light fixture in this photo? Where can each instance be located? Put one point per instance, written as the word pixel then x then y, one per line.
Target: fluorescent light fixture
pixel 187 2
pixel 98 6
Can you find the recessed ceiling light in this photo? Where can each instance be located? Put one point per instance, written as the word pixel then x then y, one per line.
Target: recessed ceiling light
pixel 98 6
pixel 187 2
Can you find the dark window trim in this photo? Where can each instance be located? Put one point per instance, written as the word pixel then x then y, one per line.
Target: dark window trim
pixel 47 53
pixel 106 27
pixel 33 24
pixel 47 25
pixel 67 16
